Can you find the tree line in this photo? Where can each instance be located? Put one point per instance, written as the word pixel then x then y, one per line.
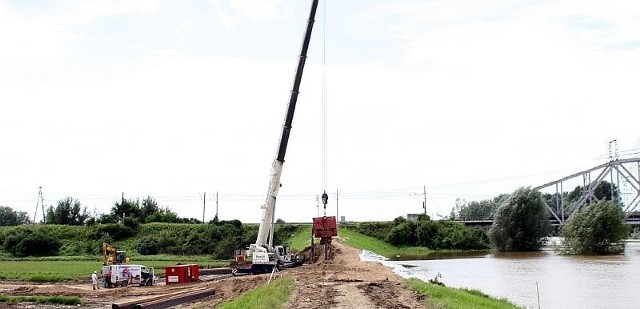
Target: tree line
pixel 441 234
pixel 486 209
pixel 218 238
pixel 70 211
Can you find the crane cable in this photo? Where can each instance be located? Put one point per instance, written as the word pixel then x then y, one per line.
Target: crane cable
pixel 324 106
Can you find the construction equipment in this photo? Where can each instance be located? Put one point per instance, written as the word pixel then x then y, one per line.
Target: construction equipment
pixel 263 256
pixel 325 228
pixel 111 256
pixel 116 271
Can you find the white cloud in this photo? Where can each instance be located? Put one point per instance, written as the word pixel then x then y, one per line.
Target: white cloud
pixel 73 12
pixel 183 29
pixel 259 10
pixel 231 13
pixel 45 38
pixel 31 40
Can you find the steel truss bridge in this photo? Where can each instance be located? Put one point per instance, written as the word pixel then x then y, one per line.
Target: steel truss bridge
pixel 623 174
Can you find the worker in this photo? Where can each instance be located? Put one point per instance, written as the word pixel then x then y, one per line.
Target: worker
pixel 94 280
pixel 109 279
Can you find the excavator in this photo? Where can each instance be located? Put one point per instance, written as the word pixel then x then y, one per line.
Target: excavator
pixel 262 256
pixel 110 255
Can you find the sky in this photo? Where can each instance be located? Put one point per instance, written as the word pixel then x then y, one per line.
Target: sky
pixel 463 100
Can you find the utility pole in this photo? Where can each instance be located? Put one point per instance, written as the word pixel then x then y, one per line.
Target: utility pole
pixel 44 218
pixel 424 203
pixel 204 205
pixel 39 202
pixel 337 212
pixel 217 205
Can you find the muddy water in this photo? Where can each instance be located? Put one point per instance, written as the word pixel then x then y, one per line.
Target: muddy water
pixel 562 281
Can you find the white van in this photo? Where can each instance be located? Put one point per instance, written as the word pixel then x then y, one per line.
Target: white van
pixel 123 275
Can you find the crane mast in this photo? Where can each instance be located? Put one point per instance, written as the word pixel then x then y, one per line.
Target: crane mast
pixel 264 241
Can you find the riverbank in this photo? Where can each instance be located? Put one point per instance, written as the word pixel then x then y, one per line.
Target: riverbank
pixel 349 281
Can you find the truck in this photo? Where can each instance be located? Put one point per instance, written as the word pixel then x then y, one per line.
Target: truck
pixel 117 272
pixel 262 256
pixel 124 275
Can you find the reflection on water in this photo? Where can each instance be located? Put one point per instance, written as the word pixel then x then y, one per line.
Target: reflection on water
pixel 563 281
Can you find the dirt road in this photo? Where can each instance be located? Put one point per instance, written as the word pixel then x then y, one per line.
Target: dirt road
pixel 343 282
pixel 347 282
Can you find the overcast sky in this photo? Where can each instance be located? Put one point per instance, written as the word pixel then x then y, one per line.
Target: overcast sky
pixel 172 99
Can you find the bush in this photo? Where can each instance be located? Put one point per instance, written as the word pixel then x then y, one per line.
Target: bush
pixel 149 245
pixel 28 242
pixel 402 234
pixel 114 230
pixel 596 229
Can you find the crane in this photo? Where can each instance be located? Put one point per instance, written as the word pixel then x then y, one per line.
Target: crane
pixel 264 255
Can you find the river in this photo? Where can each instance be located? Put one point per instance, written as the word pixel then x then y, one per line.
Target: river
pixel 562 281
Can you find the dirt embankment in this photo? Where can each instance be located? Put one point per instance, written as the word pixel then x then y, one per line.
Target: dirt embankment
pixel 347 282
pixel 343 282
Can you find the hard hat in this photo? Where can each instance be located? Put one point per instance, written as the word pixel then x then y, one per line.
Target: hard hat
pixel 95 272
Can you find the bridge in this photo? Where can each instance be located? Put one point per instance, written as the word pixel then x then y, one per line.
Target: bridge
pixel 623 174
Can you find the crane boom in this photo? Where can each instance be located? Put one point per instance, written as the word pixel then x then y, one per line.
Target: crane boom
pixel 264 241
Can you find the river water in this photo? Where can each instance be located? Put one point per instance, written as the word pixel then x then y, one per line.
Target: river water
pixel 562 281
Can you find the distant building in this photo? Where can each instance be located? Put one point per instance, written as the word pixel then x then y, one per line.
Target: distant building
pixel 412 217
pixel 342 219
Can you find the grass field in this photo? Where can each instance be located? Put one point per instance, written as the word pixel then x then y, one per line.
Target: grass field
pixel 43 270
pixel 269 296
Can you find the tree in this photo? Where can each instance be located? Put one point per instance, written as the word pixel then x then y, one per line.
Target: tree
pixel 476 210
pixel 9 217
pixel 126 208
pixel 68 211
pixel 596 229
pixel 520 223
pixel 149 207
pixel 163 215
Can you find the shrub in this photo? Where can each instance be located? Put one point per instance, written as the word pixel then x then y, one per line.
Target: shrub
pixel 114 230
pixel 29 242
pixel 596 229
pixel 149 245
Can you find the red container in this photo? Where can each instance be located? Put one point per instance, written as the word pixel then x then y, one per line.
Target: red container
pixel 324 227
pixel 194 272
pixel 181 273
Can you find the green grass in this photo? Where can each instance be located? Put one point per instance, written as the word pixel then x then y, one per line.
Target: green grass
pixel 57 270
pixel 452 298
pixel 360 241
pixel 59 300
pixel 301 239
pixel 268 296
pixel 47 271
